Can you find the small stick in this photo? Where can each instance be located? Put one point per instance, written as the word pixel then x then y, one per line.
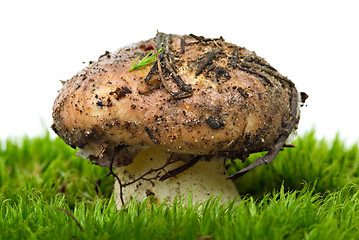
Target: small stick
pixel 183 45
pixel 270 71
pixel 203 39
pixel 151 135
pixel 143 176
pixel 174 95
pixel 260 76
pixel 254 58
pixel 207 59
pixel 185 87
pixel 234 59
pixel 117 178
pixel 153 69
pixel 253 61
pixel 280 143
pixel 72 216
pixel 180 169
pixel 160 70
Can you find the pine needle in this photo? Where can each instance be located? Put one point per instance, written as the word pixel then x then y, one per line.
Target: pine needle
pixel 144 61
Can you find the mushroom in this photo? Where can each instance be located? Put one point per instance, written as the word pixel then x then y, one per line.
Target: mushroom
pixel 168 121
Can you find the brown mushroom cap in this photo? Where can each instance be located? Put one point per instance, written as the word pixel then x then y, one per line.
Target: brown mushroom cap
pixel 237 103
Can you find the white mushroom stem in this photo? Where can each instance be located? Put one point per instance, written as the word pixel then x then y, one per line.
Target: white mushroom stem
pixel 201 181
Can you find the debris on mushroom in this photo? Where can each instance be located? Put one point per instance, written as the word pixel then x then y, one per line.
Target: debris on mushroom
pixel 167 112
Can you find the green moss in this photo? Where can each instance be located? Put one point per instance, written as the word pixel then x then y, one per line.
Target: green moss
pixel 50 166
pixel 46 192
pixel 330 164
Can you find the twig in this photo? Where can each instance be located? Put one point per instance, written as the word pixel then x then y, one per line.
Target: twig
pixel 185 87
pixel 180 169
pixel 145 176
pixel 234 58
pixel 142 177
pixel 153 69
pixel 203 39
pixel 207 59
pixel 174 95
pixel 160 71
pixel 254 62
pixel 280 143
pixel 72 216
pixel 115 176
pixel 183 45
pixel 260 76
pixel 151 135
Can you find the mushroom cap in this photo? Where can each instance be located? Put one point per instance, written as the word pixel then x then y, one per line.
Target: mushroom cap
pixel 237 103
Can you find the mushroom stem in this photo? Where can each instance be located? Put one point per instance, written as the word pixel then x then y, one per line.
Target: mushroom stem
pixel 145 176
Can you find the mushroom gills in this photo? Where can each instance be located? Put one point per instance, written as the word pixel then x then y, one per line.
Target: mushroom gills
pixel 144 177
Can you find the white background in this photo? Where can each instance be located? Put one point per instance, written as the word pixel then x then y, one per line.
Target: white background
pixel 314 43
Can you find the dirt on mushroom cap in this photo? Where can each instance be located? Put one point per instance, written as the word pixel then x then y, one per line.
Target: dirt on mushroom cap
pixel 234 101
